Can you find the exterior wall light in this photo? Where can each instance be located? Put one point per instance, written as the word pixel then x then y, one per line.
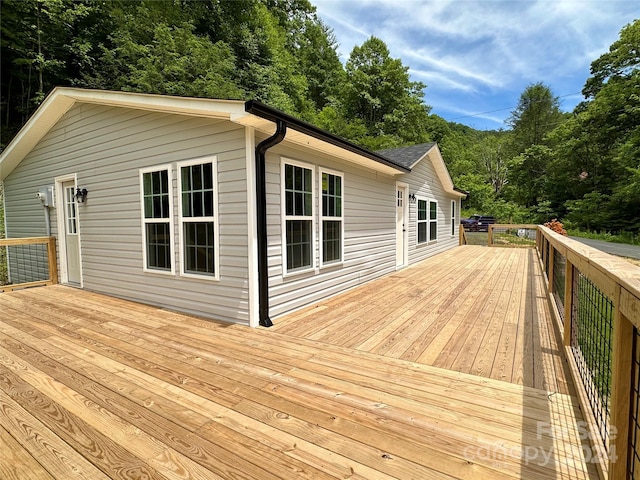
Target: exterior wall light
pixel 81 194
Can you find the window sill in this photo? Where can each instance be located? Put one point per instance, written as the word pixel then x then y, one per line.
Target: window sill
pixel 166 273
pixel 195 276
pixel 336 264
pixel 298 273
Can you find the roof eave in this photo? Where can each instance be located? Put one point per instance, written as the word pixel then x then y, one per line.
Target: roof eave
pixel 259 109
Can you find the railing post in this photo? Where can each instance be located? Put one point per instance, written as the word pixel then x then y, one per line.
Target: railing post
pixel 621 371
pixel 490 236
pixel 568 304
pixel 53 261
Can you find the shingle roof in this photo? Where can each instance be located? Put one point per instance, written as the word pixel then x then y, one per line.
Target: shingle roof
pixel 406 156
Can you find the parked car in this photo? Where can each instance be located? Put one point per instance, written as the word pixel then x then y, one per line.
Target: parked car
pixel 478 223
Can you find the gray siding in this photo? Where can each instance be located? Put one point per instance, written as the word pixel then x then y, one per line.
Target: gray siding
pixel 423 182
pixel 369 226
pixel 106 147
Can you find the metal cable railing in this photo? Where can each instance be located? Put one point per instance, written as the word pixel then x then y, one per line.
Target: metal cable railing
pixel 28 262
pixel 591 343
pixel 559 275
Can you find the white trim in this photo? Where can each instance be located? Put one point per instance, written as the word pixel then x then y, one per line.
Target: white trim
pixel 213 159
pixel 428 221
pixel 62 228
pixel 340 261
pixel 4 217
pixel 454 215
pixel 252 228
pixel 284 217
pixel 405 233
pixel 145 267
pixel 432 220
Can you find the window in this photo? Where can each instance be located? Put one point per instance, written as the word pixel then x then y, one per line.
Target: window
pixel 198 217
pixel 70 205
pixel 298 216
pixel 423 222
pixel 453 217
pixel 433 221
pixel 157 219
pixel 427 220
pixel 332 217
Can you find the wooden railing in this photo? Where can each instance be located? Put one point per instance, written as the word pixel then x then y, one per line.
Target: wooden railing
pixel 463 235
pixel 508 235
pixel 30 258
pixel 595 299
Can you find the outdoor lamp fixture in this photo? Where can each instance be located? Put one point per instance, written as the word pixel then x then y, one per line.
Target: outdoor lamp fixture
pixel 412 197
pixel 81 195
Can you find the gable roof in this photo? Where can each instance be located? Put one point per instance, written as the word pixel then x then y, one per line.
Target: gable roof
pixel 410 156
pixel 407 156
pixel 251 114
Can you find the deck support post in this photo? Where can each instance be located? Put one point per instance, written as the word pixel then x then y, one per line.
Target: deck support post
pixel 621 379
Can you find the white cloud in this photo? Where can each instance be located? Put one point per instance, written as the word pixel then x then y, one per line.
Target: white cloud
pixel 486 51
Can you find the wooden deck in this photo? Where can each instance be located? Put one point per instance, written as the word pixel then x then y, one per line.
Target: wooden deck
pixel 93 387
pixel 472 309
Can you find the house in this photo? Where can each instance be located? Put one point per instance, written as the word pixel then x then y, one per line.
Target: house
pixel 223 209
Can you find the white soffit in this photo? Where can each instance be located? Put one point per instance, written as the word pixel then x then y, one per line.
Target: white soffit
pixel 308 141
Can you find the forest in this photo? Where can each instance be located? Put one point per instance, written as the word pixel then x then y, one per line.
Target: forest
pixel 582 167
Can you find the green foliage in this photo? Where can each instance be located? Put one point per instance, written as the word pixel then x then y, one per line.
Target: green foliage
pixel 597 152
pixel 622 237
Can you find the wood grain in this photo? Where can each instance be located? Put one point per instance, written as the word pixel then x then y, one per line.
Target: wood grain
pixel 95 387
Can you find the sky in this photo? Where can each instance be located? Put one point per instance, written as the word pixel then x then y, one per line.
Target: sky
pixel 478 56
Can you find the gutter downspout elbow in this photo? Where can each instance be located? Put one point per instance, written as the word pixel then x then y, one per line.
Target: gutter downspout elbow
pixel 261 199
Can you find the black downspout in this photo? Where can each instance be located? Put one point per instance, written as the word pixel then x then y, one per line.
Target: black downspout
pixel 261 199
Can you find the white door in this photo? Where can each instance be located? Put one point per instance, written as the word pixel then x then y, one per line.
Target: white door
pixel 401 225
pixel 71 239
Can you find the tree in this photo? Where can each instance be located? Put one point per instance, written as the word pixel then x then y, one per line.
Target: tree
pixel 493 161
pixel 379 92
pixel 598 150
pixel 537 113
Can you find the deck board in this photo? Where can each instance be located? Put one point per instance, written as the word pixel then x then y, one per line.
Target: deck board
pixel 94 387
pixel 472 309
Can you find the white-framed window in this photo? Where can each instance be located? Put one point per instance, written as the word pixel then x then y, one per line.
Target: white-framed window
pixel 156 199
pixel 331 217
pixel 433 220
pixel 198 218
pixel 427 227
pixel 298 216
pixel 453 217
pixel 70 205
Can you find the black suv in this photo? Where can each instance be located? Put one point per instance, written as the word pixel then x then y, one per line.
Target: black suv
pixel 478 223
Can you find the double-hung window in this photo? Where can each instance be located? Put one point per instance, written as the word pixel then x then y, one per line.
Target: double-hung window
pixel 298 216
pixel 433 220
pixel 198 217
pixel 157 218
pixel 453 217
pixel 427 220
pixel 331 224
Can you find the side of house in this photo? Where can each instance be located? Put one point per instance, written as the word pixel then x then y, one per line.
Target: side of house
pixel 126 159
pixel 349 229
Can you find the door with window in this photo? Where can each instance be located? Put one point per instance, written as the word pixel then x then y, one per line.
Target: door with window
pixel 70 232
pixel 401 224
